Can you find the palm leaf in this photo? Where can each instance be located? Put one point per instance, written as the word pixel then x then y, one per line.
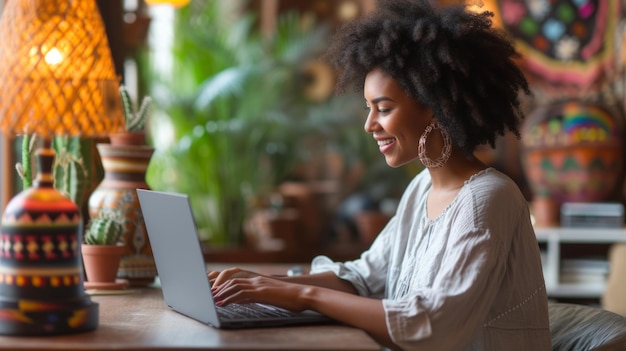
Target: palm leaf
pixel 230 81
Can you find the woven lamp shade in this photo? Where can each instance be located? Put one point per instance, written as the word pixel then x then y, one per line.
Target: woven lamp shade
pixel 57 73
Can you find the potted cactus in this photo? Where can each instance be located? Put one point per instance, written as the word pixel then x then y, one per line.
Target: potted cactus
pixel 134 132
pixel 103 231
pixel 102 251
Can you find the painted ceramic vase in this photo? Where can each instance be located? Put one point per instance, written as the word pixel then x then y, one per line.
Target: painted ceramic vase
pixel 572 152
pixel 41 277
pixel 125 171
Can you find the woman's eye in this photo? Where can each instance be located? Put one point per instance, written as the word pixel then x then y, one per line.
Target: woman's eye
pixel 378 109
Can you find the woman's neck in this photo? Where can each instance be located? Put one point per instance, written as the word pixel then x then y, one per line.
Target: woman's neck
pixel 453 175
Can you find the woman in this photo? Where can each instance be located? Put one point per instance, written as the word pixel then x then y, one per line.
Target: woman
pixel 458 266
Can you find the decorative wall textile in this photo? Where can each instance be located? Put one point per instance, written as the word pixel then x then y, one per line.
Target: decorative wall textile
pixel 569 47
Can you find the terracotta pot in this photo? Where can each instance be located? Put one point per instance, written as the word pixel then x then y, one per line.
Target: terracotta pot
pixel 546 212
pixel 101 262
pixel 128 138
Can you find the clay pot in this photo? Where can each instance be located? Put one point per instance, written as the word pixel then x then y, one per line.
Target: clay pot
pixel 546 212
pixel 128 138
pixel 101 262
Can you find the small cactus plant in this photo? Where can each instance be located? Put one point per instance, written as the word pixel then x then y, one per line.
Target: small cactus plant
pixel 103 231
pixel 71 175
pixel 24 168
pixel 135 120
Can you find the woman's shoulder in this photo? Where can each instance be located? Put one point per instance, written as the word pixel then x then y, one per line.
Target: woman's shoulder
pixel 490 180
pixel 494 189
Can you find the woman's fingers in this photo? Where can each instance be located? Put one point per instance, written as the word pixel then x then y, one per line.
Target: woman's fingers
pixel 233 291
pixel 259 289
pixel 234 285
pixel 219 278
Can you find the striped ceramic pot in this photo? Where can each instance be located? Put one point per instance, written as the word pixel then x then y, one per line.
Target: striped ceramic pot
pixel 124 171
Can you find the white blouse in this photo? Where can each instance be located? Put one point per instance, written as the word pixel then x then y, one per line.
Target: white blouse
pixel 471 279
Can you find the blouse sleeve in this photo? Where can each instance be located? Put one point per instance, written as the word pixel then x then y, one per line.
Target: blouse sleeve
pixel 367 273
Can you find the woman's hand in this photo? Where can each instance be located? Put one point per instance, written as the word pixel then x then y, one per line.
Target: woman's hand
pixel 219 278
pixel 244 287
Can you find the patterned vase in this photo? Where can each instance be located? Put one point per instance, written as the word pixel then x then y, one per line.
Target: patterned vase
pixel 124 172
pixel 572 152
pixel 41 278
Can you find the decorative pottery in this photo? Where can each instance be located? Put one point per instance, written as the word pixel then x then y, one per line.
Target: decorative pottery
pixel 124 172
pixel 128 138
pixel 572 152
pixel 101 264
pixel 546 212
pixel 41 277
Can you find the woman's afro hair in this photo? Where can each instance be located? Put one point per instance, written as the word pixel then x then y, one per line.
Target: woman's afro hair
pixel 449 59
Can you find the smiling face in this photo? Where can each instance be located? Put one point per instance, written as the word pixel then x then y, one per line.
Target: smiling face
pixel 395 120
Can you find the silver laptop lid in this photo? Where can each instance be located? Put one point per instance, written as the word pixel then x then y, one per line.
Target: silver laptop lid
pixel 177 253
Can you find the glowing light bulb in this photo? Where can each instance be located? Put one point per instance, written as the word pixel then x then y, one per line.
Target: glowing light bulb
pixel 53 57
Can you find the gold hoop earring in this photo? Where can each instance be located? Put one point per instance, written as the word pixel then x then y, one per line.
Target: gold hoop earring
pixel 445 152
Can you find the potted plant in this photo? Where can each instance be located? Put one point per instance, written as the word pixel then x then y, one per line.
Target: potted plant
pixel 134 132
pixel 125 161
pixel 102 251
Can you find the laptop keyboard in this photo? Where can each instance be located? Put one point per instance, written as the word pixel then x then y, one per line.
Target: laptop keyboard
pixel 251 311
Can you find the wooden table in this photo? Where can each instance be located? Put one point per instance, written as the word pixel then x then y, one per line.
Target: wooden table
pixel 138 319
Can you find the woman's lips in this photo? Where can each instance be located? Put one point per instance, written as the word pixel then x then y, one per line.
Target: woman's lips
pixel 385 144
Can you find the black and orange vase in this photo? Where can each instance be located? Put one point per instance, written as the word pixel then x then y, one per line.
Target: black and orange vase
pixel 41 276
pixel 125 165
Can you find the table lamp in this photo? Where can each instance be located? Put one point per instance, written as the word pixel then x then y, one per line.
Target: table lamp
pixel 56 78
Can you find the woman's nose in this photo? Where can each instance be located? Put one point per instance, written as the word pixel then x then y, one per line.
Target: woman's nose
pixel 370 123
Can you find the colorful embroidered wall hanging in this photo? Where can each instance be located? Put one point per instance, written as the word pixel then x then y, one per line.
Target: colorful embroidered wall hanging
pixel 564 43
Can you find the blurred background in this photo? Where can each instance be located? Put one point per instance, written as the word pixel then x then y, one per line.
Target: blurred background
pixel 278 167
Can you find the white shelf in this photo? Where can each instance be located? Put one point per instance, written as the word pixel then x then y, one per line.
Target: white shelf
pixel 553 238
pixel 575 291
pixel 581 235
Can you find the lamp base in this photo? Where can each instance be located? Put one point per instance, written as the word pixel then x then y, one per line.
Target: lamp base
pixel 41 276
pixel 41 318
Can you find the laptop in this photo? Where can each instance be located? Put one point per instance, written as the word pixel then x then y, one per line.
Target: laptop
pixel 182 270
